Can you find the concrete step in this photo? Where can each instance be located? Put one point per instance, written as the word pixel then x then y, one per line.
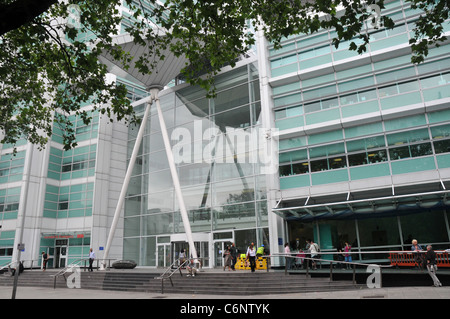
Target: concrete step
pixel 212 283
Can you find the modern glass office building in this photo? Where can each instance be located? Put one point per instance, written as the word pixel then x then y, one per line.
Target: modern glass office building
pixel 360 152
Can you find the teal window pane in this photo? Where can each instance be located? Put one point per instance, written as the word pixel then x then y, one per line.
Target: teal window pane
pixel 437 80
pixel 292 143
pixel 320 92
pixel 358 97
pixel 321 105
pixel 396 75
pixel 405 122
pixel 324 59
pixel 285 70
pixel 366 144
pixel 436 93
pixel 283 61
pixel 440 116
pixel 286 100
pixel 389 42
pixel 356 84
pixel 286 88
pixel 327 150
pixel 293 156
pixel 294 181
pixel 284 48
pixel 440 131
pixel 398 88
pixel 369 171
pixel 401 100
pixel 318 80
pixel 361 108
pixel 408 137
pixel 329 177
pixel 325 137
pixel 291 122
pixel 413 165
pixel 323 116
pixel 443 161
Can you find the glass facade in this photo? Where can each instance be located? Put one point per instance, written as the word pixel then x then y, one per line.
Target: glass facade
pixel 221 187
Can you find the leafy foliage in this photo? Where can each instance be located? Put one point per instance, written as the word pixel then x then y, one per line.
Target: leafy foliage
pixel 48 64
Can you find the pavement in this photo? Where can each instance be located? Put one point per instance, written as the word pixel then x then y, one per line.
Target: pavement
pixel 415 293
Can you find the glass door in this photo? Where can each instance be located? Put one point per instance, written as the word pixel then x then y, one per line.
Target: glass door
pixel 61 253
pixel 164 255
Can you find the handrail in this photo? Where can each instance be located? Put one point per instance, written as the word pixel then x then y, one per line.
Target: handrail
pixel 63 271
pixel 167 274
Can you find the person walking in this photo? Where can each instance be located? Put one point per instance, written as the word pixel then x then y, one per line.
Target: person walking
pixel 251 256
pixel 233 255
pixel 91 259
pixel 227 259
pixel 314 249
pixel 431 266
pixel 44 260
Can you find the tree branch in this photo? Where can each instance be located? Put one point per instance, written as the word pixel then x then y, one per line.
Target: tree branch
pixel 21 12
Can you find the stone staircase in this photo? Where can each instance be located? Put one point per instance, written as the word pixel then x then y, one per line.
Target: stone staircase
pixel 207 282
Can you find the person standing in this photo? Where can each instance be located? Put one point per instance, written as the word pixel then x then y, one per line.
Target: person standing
pixel 91 259
pixel 251 256
pixel 287 253
pixel 431 266
pixel 348 257
pixel 416 249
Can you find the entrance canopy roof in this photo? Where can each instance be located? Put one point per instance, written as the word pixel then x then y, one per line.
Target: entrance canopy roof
pixel 164 71
pixel 367 204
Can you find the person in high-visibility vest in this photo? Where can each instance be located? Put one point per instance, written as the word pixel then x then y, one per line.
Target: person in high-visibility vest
pixel 260 251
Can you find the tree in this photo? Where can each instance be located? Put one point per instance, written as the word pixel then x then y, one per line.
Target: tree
pixel 47 64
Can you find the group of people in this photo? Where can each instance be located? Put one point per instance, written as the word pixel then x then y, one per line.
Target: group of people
pixel 230 256
pixel 427 259
pixel 312 250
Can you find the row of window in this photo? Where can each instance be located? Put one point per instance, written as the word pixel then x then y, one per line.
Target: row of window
pixel 9 202
pixel 11 167
pixel 396 10
pixel 361 96
pixel 366 151
pixel 74 163
pixel 83 131
pixel 68 201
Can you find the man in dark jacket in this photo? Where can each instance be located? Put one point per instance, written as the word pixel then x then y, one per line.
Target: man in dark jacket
pixel 431 265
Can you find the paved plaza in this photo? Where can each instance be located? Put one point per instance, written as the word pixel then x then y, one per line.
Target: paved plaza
pixel 376 293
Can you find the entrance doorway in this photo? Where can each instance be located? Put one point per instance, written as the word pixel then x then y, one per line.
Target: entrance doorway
pixel 201 243
pixel 60 253
pixel 219 248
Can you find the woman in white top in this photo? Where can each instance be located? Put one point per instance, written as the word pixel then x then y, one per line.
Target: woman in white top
pixel 313 249
pixel 251 256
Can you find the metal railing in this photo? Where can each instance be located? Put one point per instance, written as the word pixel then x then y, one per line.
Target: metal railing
pixel 177 265
pixel 306 260
pixel 76 263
